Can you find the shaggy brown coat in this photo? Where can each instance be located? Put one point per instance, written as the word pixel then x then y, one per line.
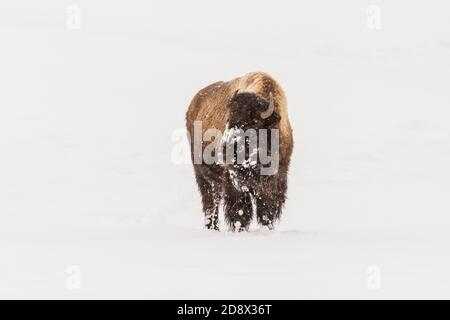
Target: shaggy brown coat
pixel 268 193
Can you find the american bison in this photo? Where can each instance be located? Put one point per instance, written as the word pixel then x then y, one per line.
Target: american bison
pixel 243 119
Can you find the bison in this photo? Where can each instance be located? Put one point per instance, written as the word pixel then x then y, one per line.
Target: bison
pixel 221 115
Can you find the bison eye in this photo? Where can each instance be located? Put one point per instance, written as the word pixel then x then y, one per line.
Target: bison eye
pixel 262 107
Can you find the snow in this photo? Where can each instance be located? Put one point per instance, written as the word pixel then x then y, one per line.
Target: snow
pixel 90 194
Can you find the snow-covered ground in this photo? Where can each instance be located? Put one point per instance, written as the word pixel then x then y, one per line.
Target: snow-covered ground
pixel 94 202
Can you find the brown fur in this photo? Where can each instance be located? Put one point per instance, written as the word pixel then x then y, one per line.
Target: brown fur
pixel 210 105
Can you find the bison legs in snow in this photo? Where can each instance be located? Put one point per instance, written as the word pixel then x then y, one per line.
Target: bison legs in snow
pixel 210 185
pixel 270 199
pixel 238 208
pixel 239 204
pixel 266 198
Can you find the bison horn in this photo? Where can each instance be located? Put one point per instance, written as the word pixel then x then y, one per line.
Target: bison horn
pixel 270 108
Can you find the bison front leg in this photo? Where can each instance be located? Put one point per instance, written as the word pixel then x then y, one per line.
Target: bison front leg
pixel 238 209
pixel 268 210
pixel 210 188
pixel 270 200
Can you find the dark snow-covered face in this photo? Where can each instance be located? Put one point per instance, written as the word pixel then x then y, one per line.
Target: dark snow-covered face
pixel 246 109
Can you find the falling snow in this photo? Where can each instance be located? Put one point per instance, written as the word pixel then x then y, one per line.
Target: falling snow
pixel 86 177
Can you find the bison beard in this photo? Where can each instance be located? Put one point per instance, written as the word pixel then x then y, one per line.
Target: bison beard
pixel 256 102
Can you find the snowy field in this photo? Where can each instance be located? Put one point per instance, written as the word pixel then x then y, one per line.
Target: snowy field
pixel 95 202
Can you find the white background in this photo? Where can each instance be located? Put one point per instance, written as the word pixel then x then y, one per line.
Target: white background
pixel 87 171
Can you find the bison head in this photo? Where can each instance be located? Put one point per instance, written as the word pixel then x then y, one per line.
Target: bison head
pixel 248 110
